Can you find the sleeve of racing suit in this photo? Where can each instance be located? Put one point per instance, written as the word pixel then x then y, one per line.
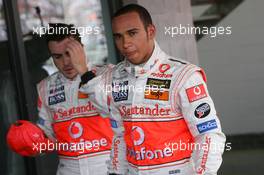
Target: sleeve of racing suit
pixel 44 115
pixel 99 91
pixel 200 115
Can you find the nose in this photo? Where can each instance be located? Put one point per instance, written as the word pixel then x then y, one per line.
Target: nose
pixel 66 60
pixel 126 42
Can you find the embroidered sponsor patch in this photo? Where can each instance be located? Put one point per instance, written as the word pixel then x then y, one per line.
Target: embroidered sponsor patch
pixel 56 89
pixel 113 123
pixel 157 95
pixel 157 89
pixel 120 91
pixel 152 82
pixel 82 95
pixel 41 121
pixel 207 126
pixel 196 93
pixel 202 110
pixel 58 98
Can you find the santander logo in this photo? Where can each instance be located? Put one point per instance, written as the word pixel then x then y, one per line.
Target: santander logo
pixel 66 113
pixel 156 110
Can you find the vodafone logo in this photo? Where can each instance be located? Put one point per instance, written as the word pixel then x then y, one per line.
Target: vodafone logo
pixel 144 151
pixel 197 90
pixel 196 93
pixel 138 135
pixel 164 67
pixel 75 130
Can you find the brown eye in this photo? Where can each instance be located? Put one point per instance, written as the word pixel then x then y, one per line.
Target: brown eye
pixel 132 33
pixel 56 56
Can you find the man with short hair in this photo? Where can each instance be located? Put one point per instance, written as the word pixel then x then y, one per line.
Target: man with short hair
pixel 162 103
pixel 82 137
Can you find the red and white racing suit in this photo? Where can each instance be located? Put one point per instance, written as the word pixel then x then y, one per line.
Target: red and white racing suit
pixel 164 109
pixel 82 137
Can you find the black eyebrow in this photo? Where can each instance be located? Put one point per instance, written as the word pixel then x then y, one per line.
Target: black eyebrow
pixel 133 30
pixel 130 30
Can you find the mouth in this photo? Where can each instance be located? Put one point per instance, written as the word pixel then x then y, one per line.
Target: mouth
pixel 129 54
pixel 67 70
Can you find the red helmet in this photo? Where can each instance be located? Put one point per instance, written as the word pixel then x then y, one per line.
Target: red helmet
pixel 25 138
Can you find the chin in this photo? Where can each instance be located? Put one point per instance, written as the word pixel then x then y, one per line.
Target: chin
pixel 135 60
pixel 70 76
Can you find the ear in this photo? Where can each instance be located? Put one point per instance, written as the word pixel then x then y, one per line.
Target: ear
pixel 151 31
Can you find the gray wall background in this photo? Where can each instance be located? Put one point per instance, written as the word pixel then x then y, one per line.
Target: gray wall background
pixel 235 69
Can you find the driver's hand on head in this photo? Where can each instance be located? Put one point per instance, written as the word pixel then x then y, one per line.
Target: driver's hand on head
pixel 77 56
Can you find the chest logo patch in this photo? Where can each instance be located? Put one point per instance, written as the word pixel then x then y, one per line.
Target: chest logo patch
pixel 157 89
pixel 120 91
pixel 58 98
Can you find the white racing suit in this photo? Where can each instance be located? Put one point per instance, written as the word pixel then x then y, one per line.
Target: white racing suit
pixel 164 109
pixel 82 137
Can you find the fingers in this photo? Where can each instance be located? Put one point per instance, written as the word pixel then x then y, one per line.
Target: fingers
pixel 74 47
pixel 74 43
pixel 77 55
